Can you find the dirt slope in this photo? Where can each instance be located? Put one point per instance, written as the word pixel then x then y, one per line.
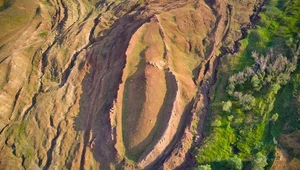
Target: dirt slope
pixel 89 84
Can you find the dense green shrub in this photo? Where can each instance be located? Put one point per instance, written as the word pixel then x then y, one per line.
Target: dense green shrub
pixel 256 83
pixel 259 76
pixel 274 117
pixel 271 71
pixel 258 162
pixel 216 123
pixel 203 167
pixel 234 163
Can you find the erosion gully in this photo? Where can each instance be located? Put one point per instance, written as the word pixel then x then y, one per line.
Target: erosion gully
pixel 204 90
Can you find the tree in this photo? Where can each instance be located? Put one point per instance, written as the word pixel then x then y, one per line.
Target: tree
pixel 261 61
pixel 237 95
pixel 230 117
pixel 227 106
pixel 258 162
pixel 274 88
pixel 240 78
pixel 216 123
pixel 256 83
pixel 230 88
pixel 247 101
pixel 203 167
pixel 249 72
pixel 274 117
pixel 234 163
pixel 283 78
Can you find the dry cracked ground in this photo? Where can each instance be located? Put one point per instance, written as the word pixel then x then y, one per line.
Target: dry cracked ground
pixel 101 84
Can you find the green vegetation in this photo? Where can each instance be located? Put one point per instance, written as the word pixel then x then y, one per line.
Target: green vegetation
pixel 203 167
pixel 227 106
pixel 258 162
pixel 261 82
pixel 234 163
pixel 14 16
pixel 140 1
pixel 43 34
pixel 20 142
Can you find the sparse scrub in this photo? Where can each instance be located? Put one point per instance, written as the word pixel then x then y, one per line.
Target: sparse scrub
pixel 43 34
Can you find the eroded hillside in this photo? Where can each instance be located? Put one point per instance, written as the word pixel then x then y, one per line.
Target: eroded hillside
pixel 90 84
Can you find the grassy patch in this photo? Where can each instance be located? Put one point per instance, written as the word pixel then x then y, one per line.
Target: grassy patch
pixel 43 34
pixel 246 132
pixel 287 105
pixel 22 144
pixel 14 15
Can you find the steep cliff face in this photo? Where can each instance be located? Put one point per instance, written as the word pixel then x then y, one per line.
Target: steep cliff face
pixel 105 84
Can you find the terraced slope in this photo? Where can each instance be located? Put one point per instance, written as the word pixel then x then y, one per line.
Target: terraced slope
pixel 91 84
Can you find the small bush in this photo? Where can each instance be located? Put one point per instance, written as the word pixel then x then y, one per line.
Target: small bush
pixel 227 106
pixel 258 162
pixel 43 34
pixel 203 167
pixel 216 123
pixel 234 163
pixel 274 117
pixel 256 83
